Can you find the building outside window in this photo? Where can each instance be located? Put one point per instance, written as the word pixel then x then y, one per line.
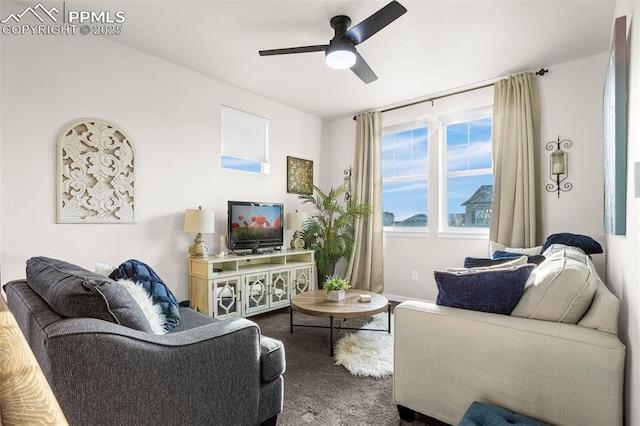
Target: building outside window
pixel 468 182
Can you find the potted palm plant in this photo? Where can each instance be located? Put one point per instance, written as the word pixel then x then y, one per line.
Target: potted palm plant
pixel 329 230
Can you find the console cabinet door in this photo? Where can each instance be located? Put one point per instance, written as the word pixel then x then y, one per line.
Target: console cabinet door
pixel 279 292
pixel 256 292
pixel 301 280
pixel 226 296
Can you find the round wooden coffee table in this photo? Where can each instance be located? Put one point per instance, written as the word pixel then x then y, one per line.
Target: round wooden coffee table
pixel 315 303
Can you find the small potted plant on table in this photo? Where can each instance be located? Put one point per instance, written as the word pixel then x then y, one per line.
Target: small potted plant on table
pixel 335 286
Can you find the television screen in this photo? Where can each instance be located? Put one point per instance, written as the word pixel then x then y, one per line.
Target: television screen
pixel 255 225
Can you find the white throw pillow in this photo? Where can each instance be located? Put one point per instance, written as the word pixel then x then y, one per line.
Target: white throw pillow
pixel 532 251
pixel 152 312
pixel 560 289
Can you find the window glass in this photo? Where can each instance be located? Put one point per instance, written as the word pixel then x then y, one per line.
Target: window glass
pixel 469 176
pixel 404 177
pixel 245 140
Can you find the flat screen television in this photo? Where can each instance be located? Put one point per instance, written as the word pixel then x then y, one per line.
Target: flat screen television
pixel 255 225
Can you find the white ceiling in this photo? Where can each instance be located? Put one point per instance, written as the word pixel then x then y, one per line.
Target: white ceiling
pixel 435 47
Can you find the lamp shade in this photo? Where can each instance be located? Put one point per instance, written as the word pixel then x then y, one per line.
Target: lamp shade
pixel 296 220
pixel 199 221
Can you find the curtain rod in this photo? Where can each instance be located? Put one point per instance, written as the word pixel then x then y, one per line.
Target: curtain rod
pixel 541 71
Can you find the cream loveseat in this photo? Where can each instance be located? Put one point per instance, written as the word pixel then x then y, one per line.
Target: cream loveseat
pixel 549 369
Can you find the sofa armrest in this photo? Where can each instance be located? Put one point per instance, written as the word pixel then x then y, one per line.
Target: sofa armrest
pixel 200 375
pixel 272 358
pixel 446 358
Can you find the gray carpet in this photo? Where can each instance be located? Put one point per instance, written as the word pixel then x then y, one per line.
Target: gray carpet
pixel 318 392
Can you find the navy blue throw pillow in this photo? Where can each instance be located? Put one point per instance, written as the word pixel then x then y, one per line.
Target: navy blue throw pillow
pixel 583 242
pixel 482 262
pixel 495 291
pixel 531 258
pixel 141 273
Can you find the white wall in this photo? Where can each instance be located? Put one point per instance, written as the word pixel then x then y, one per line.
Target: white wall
pixel 171 114
pixel 623 268
pixel 571 106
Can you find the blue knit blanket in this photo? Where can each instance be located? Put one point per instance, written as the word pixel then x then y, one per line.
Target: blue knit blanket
pixel 141 273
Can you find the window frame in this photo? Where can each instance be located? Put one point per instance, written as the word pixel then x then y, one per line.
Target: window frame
pixel 444 230
pixel 409 231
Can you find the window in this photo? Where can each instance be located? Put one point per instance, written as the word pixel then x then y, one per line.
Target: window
pixel 404 176
pixel 244 141
pixel 468 175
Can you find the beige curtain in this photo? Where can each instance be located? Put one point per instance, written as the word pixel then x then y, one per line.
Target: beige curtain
pixel 365 269
pixel 516 139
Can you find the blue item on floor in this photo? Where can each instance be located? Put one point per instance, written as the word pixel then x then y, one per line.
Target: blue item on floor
pixel 480 414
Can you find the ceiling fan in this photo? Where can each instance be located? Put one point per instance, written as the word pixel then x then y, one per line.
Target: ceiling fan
pixel 341 51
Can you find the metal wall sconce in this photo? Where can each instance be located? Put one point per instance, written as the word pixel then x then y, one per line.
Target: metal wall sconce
pixel 558 166
pixel 347 183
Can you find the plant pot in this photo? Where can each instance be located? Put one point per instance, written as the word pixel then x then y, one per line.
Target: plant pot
pixel 335 295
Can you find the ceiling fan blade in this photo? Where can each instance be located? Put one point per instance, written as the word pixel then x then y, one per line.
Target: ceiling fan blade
pixel 363 70
pixel 288 50
pixel 375 23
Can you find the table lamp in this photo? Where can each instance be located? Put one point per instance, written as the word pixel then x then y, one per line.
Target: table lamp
pixel 295 221
pixel 199 222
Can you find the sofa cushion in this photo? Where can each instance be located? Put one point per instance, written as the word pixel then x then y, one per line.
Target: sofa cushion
pixel 560 289
pixel 585 243
pixel 494 290
pixel 142 274
pixel 74 292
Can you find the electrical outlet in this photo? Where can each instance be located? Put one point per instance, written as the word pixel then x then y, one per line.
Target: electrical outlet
pixel 414 275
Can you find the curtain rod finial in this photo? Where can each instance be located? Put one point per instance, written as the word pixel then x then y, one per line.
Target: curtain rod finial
pixel 542 71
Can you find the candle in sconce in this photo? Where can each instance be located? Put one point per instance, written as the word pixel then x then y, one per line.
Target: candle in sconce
pixel 557 164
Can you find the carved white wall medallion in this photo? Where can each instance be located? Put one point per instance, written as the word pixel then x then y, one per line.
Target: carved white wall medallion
pixel 95 174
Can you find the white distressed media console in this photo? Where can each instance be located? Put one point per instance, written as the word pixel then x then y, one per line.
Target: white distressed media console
pixel 234 286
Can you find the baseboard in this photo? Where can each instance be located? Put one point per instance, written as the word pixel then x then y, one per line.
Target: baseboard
pixel 400 299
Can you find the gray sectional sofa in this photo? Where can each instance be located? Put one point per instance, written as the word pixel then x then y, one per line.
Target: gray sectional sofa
pixel 102 372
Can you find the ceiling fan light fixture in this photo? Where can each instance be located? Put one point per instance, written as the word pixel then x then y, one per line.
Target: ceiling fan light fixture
pixel 340 56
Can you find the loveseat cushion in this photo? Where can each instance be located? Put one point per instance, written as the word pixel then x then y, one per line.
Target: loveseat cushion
pixel 490 290
pixel 560 289
pixel 142 274
pixel 74 292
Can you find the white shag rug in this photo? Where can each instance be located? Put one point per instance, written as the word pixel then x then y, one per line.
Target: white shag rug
pixel 367 353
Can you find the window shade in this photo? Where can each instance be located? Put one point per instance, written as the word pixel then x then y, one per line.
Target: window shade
pixel 244 135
